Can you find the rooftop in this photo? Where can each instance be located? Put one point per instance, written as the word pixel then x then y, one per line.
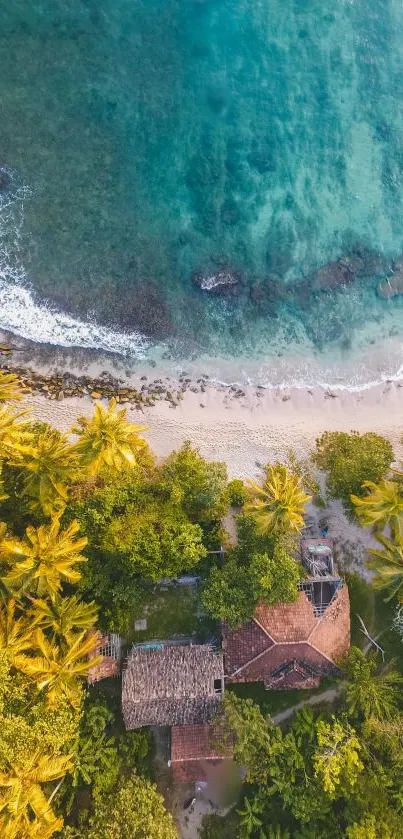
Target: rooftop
pixel 171 685
pixel 193 745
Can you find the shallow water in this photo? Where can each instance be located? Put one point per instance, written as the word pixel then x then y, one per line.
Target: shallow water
pixel 146 141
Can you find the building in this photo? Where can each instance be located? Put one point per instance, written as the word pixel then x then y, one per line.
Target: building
pixel 109 647
pixel 198 749
pixel 171 685
pixel 293 645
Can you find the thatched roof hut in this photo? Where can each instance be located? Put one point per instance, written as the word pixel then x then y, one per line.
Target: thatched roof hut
pixel 171 685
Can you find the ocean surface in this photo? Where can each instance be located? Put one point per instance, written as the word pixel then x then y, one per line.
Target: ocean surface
pixel 148 144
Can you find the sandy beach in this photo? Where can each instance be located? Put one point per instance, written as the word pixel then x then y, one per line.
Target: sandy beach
pixel 247 431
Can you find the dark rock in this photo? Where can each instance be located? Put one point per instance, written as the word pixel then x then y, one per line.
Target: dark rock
pixel 332 276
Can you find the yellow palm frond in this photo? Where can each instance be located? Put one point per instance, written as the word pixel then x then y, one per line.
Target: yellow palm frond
pixel 279 505
pixel 11 388
pixel 108 439
pixel 44 560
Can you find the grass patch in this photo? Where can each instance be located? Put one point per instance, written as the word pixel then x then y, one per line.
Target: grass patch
pixel 274 701
pixel 362 602
pixel 173 612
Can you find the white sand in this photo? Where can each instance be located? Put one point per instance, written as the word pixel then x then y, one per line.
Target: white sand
pixel 251 430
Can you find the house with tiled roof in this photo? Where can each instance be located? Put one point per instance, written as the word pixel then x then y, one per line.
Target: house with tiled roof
pixel 293 645
pixel 197 749
pixel 108 655
pixel 171 685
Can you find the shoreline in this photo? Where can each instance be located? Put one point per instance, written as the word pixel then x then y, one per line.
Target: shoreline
pixel 244 426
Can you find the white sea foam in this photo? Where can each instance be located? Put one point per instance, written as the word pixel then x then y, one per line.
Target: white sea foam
pixel 39 321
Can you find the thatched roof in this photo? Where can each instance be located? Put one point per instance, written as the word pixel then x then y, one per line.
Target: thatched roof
pixel 174 685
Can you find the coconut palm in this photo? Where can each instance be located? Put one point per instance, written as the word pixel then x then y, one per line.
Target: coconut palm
pixel 44 560
pixel 15 435
pixel 108 439
pixel 278 506
pixel 18 828
pixel 368 693
pixel 48 467
pixel 382 506
pixel 64 616
pixel 10 387
pixel 57 671
pixel 249 817
pixel 21 795
pixel 388 564
pixel 15 633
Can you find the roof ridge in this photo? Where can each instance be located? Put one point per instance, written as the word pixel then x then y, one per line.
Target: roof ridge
pixel 251 660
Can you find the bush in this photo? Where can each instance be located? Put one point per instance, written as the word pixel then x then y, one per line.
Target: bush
pixel 351 459
pixel 237 493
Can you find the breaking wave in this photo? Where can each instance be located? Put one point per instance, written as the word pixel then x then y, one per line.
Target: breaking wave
pixel 39 321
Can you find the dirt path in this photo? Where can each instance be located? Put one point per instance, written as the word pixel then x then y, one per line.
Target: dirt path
pixel 328 695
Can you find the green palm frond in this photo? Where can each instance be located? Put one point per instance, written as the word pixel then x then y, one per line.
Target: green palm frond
pixel 381 507
pixel 279 505
pixel 388 565
pixel 108 439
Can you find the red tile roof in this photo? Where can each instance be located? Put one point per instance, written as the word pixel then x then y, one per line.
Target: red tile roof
pixel 289 632
pixel 195 747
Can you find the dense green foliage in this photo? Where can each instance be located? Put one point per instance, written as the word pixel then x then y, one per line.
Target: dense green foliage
pixel 233 591
pixel 134 811
pixel 318 778
pixel 351 459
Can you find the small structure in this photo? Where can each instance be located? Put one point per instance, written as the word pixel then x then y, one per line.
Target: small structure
pixel 292 645
pixel 195 749
pixel 110 648
pixel 171 685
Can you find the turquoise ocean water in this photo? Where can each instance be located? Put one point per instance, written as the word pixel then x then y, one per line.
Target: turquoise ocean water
pixel 143 142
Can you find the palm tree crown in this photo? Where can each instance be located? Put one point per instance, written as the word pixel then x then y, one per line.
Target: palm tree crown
pixel 15 634
pixel 44 560
pixel 48 466
pixel 382 506
pixel 367 693
pixel 10 387
pixel 63 616
pixel 21 794
pixel 58 671
pixel 108 439
pixel 15 434
pixel 388 564
pixel 279 505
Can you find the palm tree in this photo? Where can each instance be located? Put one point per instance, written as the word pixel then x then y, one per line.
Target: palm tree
pixel 388 564
pixel 17 828
pixel 15 435
pixel 108 439
pixel 249 818
pixel 381 507
pixel 21 794
pixel 57 671
pixel 63 616
pixel 278 506
pixel 367 694
pixel 10 387
pixel 44 560
pixel 48 468
pixel 15 633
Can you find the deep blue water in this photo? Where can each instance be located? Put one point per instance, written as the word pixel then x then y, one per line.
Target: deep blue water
pixel 146 141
